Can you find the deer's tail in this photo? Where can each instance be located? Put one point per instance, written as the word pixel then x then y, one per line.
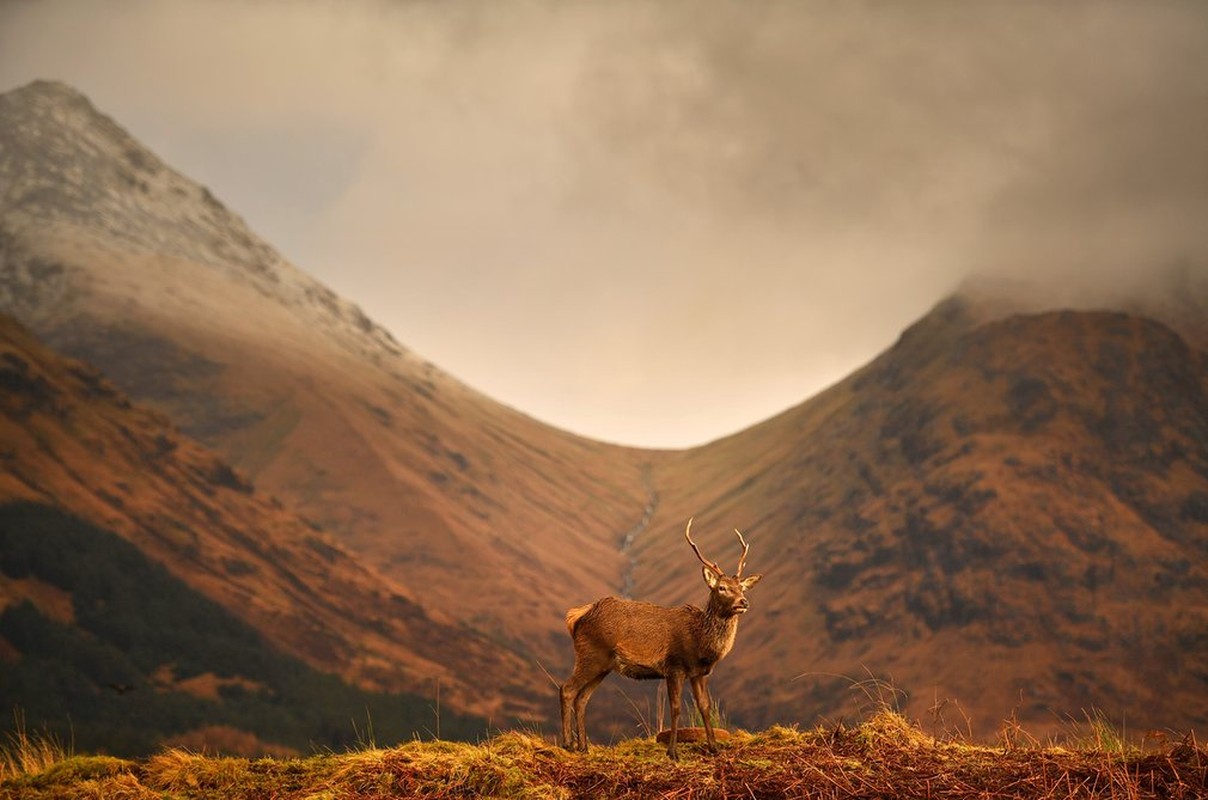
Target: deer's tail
pixel 573 616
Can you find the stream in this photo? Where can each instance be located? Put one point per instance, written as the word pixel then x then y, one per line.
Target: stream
pixel 627 541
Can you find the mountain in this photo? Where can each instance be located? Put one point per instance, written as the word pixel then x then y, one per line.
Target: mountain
pixel 1011 515
pixel 1003 515
pixel 113 258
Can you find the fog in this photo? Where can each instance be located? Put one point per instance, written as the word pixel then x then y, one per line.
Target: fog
pixel 657 223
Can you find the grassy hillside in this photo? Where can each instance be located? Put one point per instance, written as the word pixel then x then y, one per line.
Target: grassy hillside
pixel 109 650
pixel 884 757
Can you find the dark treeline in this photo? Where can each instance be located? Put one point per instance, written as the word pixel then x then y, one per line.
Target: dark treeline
pixel 89 681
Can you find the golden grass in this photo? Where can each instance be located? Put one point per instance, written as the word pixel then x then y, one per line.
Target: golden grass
pixel 886 756
pixel 24 754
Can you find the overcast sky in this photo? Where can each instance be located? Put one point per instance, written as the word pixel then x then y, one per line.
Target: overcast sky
pixel 657 223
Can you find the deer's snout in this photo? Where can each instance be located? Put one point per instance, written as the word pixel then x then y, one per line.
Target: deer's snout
pixel 741 604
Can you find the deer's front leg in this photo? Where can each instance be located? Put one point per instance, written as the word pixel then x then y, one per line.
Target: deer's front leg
pixel 675 683
pixel 700 694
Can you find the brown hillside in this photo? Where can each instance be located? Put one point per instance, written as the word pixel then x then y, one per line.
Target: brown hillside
pixel 69 439
pixel 1012 515
pixel 113 258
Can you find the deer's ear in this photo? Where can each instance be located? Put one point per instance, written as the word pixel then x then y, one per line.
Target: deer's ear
pixel 747 583
pixel 711 577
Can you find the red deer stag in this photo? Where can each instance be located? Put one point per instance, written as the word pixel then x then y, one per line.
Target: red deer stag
pixel 645 641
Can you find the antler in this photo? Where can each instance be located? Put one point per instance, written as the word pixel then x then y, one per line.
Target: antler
pixel 711 565
pixel 743 558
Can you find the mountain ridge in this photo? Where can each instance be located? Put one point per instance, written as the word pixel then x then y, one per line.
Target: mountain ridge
pixel 185 220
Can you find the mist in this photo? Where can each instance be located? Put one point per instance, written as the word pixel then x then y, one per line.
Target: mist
pixel 657 223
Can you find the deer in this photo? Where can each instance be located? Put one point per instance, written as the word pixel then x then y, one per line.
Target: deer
pixel 645 641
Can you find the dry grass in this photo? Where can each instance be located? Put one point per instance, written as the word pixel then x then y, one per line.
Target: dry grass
pixel 24 753
pixel 886 756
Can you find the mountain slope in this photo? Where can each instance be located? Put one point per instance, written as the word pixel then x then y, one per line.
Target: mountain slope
pixel 73 442
pixel 111 257
pixel 107 650
pixel 1012 515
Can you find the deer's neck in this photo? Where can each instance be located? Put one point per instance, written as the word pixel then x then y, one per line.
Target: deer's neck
pixel 718 632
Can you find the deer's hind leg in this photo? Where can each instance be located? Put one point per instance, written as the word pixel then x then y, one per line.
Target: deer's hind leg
pixel 581 706
pixel 574 695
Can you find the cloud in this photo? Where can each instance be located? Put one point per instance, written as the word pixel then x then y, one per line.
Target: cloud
pixel 1113 197
pixel 659 222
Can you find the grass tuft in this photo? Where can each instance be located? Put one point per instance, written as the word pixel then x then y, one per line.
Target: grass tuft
pixel 889 728
pixel 24 753
pixel 1105 737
